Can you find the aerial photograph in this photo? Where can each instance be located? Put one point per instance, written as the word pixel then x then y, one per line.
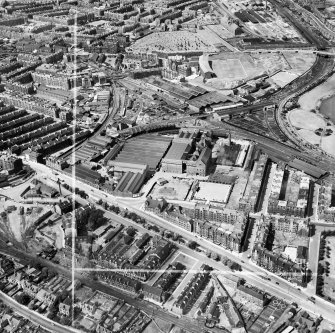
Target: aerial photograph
pixel 167 166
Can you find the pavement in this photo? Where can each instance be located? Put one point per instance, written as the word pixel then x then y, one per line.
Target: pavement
pixel 251 272
pixel 313 258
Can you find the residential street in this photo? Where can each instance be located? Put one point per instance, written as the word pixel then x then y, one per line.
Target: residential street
pixel 36 317
pixel 251 272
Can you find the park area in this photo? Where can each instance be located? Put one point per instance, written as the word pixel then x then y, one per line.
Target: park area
pixel 316 109
pixel 326 278
pixel 306 123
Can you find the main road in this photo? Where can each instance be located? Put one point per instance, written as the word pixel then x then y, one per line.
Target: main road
pixel 251 272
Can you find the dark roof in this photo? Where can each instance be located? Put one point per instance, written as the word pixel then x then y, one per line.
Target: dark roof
pixel 142 241
pixel 155 204
pixel 251 292
pixel 84 173
pixel 302 252
pixel 178 150
pixel 152 290
pixel 312 170
pixel 211 98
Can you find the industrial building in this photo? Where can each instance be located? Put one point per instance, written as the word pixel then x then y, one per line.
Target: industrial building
pixel 84 174
pixel 186 155
pixel 143 150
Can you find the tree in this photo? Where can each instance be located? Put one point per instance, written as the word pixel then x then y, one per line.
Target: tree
pixel 193 245
pixel 51 315
pixel 154 228
pixel 214 256
pixel 175 236
pixel 44 273
pixel 23 299
pixel 105 205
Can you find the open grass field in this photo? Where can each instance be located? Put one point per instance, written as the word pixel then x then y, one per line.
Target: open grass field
pixel 229 69
pixel 283 78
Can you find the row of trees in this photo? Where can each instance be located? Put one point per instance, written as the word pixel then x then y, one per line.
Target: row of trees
pixel 77 191
pixel 106 206
pixel 323 266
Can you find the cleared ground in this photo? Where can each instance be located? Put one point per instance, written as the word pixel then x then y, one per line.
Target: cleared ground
pixel 175 189
pixel 232 68
pixel 214 33
pixel 284 239
pixel 56 233
pixel 299 63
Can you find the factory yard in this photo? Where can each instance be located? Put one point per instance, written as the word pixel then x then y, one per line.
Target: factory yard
pixel 17 226
pixel 213 192
pixel 174 189
pixel 174 41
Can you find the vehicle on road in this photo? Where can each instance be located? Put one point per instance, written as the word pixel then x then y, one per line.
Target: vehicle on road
pixel 277 282
pixel 265 278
